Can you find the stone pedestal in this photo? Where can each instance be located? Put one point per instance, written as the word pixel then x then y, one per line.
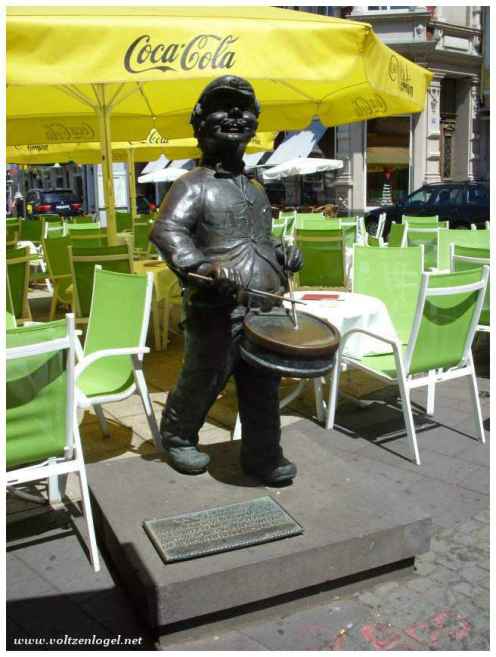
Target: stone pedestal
pixel 353 522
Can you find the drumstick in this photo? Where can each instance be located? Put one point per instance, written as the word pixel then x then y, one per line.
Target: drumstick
pixel 252 291
pixel 294 316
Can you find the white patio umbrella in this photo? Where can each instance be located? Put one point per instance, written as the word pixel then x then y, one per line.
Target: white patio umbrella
pixel 168 174
pixel 301 166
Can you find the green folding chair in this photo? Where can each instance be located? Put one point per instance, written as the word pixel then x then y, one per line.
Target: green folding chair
pixel 87 235
pixel 10 320
pixel 124 221
pixel 419 221
pixel 46 217
pixel 304 220
pixel 397 235
pixel 477 239
pixel 82 263
pixel 279 227
pixel 42 434
pixel 393 275
pixel 141 239
pixel 376 242
pixel 111 366
pixel 83 219
pixel 324 258
pixel 429 238
pixel 354 228
pixel 18 262
pixel 31 230
pixel 439 347
pixel 76 229
pixel 466 257
pixel 56 252
pixel 52 229
pixel 11 237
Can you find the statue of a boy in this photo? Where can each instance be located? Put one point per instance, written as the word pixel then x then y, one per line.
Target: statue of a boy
pixel 216 222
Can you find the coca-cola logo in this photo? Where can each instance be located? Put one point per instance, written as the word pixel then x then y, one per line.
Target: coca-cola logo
pixel 64 132
pixel 399 73
pixel 38 148
pixel 155 137
pixel 367 106
pixel 201 52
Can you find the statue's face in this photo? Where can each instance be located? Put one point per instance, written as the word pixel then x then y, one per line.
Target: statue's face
pixel 230 120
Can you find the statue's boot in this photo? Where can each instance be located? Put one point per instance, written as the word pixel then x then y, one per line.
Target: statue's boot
pixel 185 457
pixel 274 470
pixel 188 460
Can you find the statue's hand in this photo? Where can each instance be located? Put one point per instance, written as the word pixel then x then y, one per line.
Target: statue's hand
pixel 226 279
pixel 292 258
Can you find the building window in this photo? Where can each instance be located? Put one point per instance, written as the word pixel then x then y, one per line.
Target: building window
pixel 446 154
pixel 391 8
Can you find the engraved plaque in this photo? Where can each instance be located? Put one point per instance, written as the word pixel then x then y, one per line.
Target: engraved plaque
pixel 221 529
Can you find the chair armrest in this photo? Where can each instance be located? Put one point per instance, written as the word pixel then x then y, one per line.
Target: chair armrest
pixel 86 361
pixel 395 344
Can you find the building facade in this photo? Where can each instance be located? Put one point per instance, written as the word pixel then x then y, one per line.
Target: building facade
pixel 449 140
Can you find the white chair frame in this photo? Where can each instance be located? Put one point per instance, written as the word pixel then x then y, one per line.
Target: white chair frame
pixel 403 360
pixel 139 385
pixel 380 225
pixel 474 261
pixel 73 459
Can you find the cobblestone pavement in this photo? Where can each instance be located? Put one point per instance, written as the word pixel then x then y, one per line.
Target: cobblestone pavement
pixel 442 604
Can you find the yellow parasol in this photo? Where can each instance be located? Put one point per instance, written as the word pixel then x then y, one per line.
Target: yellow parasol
pixel 130 152
pixel 112 73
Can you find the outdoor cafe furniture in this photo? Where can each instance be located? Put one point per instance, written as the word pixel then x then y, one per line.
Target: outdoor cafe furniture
pixel 345 311
pixel 429 239
pixel 472 238
pixel 18 271
pixel 166 293
pixel 56 252
pixel 42 435
pixel 82 262
pixel 439 347
pixel 466 257
pixel 392 275
pixel 110 367
pixel 10 320
pixel 324 256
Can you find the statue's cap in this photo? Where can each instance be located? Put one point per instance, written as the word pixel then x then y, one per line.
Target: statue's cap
pixel 230 83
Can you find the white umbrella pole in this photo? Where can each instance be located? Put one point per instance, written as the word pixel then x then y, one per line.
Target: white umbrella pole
pixel 103 114
pixel 131 177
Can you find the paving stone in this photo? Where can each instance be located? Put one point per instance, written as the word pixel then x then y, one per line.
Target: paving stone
pixel 230 641
pixel 444 606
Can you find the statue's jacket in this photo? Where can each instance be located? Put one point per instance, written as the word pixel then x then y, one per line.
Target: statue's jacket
pixel 209 217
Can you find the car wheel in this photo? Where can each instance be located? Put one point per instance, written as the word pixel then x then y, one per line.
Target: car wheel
pixel 372 227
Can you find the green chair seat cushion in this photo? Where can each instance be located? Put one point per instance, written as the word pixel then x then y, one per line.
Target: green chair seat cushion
pixel 383 363
pixel 107 376
pixel 36 394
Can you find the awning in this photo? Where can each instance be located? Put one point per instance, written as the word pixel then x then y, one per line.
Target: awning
pixel 301 167
pixel 169 173
pixel 297 144
pixel 380 156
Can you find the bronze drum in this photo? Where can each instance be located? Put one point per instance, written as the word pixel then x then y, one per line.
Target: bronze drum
pixel 272 341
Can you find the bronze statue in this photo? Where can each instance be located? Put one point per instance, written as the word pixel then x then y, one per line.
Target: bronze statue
pixel 216 222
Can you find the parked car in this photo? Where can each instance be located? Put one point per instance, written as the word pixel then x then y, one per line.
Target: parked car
pixel 144 206
pixel 52 201
pixel 462 203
